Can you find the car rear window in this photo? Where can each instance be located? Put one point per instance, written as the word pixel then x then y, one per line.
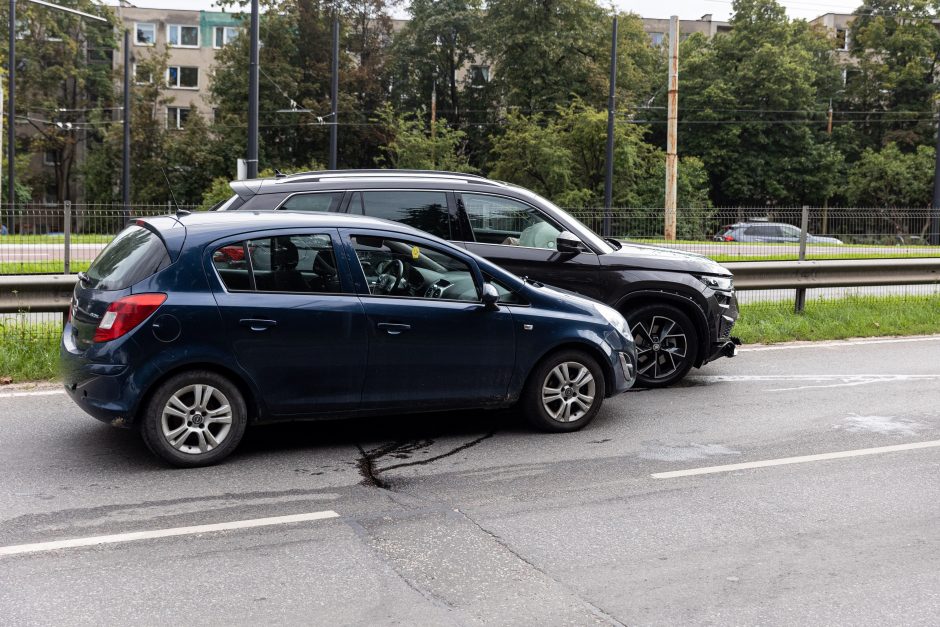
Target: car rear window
pixel 135 254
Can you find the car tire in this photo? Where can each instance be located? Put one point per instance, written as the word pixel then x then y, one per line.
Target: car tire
pixel 666 344
pixel 579 382
pixel 194 418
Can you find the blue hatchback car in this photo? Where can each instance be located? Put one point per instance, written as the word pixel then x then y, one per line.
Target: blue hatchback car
pixel 190 327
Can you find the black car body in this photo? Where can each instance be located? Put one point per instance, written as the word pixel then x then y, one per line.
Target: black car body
pixel 190 327
pixel 680 306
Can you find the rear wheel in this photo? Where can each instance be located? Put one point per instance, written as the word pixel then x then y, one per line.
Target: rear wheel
pixel 564 392
pixel 666 344
pixel 195 418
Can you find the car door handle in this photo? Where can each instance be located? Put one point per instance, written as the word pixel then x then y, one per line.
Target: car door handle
pixel 257 324
pixel 393 328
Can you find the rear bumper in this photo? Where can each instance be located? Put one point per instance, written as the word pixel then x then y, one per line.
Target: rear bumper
pixel 103 391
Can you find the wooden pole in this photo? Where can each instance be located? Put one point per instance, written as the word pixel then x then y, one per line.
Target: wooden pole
pixel 672 159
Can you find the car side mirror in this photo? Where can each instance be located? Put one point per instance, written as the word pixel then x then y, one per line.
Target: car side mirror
pixel 490 297
pixel 567 242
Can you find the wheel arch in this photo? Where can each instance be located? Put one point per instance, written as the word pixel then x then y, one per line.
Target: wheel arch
pixel 683 302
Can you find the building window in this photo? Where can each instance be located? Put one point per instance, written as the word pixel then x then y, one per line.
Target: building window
pixel 50 157
pixel 657 38
pixel 182 36
pixel 182 77
pixel 224 36
pixel 176 117
pixel 479 74
pixel 145 34
pixel 842 39
pixel 141 76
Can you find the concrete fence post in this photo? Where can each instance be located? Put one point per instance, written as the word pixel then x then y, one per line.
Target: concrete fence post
pixel 800 303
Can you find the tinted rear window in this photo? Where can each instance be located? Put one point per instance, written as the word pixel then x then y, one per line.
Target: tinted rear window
pixel 426 211
pixel 132 256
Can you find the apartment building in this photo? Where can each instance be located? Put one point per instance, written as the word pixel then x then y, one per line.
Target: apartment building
pixel 658 28
pixel 191 39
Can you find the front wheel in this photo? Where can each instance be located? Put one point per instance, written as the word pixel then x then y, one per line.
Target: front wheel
pixel 194 419
pixel 564 392
pixel 666 344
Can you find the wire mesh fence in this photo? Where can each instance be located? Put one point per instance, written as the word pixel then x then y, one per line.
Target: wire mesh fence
pixel 61 238
pixel 762 234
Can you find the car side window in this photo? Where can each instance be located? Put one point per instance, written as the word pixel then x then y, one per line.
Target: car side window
pixel 403 268
pixel 322 201
pixel 426 211
pixel 284 263
pixel 497 220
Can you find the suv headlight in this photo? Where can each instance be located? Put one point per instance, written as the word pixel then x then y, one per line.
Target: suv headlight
pixel 719 283
pixel 615 319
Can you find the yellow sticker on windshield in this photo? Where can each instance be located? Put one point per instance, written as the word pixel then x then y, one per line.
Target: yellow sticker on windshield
pixel 415 253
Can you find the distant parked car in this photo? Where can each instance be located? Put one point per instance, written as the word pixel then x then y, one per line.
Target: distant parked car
pixel 191 327
pixel 776 232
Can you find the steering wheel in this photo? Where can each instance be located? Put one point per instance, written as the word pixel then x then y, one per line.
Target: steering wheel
pixel 390 275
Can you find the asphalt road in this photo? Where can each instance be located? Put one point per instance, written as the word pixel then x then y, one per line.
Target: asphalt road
pixel 471 518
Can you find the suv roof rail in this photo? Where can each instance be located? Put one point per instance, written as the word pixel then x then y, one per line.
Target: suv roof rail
pixel 378 172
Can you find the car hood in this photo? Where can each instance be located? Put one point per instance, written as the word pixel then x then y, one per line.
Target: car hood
pixel 650 257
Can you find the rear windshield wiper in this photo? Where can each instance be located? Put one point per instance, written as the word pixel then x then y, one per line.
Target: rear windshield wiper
pixel 84 279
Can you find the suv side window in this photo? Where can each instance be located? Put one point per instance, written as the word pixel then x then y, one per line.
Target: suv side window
pixel 426 211
pixel 497 220
pixel 397 267
pixel 284 263
pixel 322 201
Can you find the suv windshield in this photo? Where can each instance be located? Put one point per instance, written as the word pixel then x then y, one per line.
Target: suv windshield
pixel 132 256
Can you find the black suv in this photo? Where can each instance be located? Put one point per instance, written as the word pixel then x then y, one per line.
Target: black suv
pixel 680 306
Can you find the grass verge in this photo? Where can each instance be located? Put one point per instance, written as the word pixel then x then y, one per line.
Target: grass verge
pixel 836 319
pixel 29 352
pixel 41 267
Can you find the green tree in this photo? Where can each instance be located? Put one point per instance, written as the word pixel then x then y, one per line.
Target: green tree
pixel 63 74
pixel 751 108
pixel 892 86
pixel 563 158
pixel 892 178
pixel 408 143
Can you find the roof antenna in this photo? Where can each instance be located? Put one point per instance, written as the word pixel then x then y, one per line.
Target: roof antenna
pixel 179 212
pixel 278 174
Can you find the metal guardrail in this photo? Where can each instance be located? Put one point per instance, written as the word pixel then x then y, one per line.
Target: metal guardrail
pixel 770 275
pixel 51 293
pixel 39 293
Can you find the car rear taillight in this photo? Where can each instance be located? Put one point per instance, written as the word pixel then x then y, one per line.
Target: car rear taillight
pixel 125 314
pixel 728 238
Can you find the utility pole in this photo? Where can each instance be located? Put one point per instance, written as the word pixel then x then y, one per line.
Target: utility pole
pixel 434 120
pixel 334 95
pixel 933 236
pixel 825 211
pixel 252 160
pixel 611 106
pixel 11 110
pixel 126 164
pixel 672 119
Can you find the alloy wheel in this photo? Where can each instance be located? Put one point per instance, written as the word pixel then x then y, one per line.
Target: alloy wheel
pixel 661 347
pixel 196 419
pixel 568 391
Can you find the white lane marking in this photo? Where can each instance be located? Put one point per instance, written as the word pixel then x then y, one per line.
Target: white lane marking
pixel 32 393
pixel 802 459
pixel 829 380
pixel 37 547
pixel 838 343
